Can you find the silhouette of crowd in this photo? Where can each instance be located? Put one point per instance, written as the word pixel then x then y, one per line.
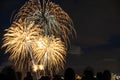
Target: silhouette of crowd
pixel 8 73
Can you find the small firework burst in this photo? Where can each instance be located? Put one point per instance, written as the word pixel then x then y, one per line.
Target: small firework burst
pixel 50 52
pixel 18 40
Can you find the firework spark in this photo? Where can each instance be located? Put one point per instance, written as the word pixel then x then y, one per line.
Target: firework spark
pixel 51 53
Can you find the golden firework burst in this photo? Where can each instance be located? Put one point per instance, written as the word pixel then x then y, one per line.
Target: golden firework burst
pixel 24 43
pixel 18 40
pixel 50 52
pixel 50 17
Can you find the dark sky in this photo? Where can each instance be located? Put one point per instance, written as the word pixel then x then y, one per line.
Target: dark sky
pixel 97 23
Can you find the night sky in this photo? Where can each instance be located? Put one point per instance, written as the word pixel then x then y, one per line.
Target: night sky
pixel 97 23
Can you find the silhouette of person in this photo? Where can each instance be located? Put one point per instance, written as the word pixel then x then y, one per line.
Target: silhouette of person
pixel 69 74
pixel 106 75
pixel 88 74
pixel 99 75
pixel 9 73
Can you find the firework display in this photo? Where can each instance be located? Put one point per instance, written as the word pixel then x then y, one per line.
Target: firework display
pixel 38 37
